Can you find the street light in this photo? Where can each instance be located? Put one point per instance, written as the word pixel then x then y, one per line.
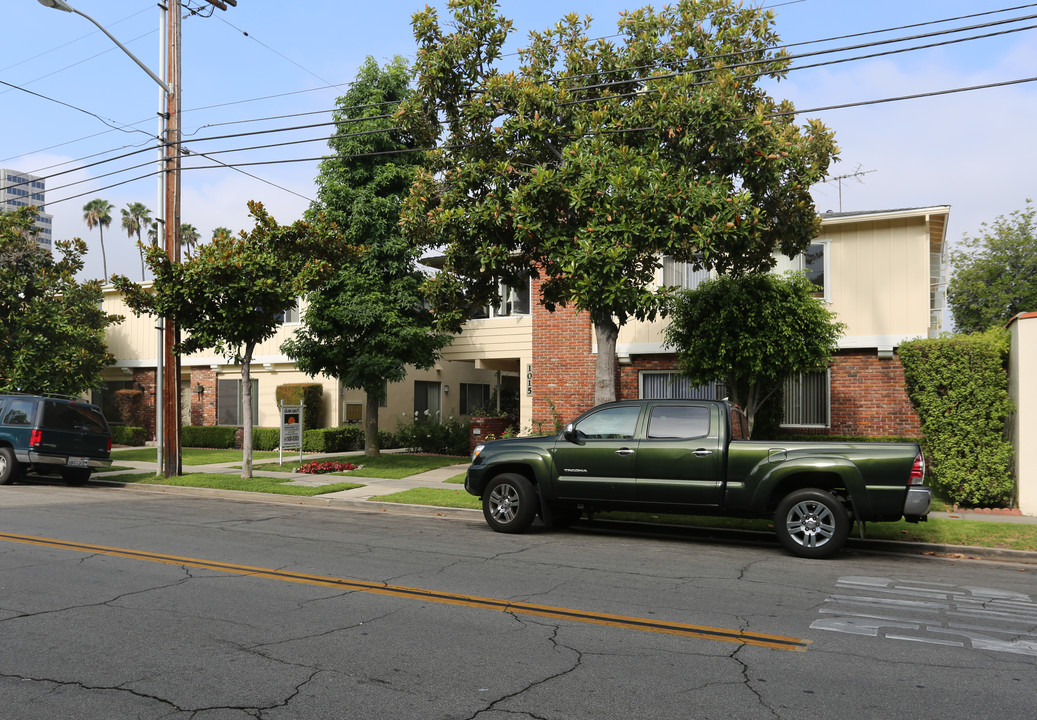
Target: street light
pixel 167 364
pixel 65 7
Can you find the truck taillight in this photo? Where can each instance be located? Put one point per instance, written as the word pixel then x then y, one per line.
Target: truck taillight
pixel 35 438
pixel 918 471
pixel 109 448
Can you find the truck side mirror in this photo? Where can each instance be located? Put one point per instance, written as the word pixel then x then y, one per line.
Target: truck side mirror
pixel 569 433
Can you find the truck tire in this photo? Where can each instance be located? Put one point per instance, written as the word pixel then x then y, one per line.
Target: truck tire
pixel 8 466
pixel 509 503
pixel 812 523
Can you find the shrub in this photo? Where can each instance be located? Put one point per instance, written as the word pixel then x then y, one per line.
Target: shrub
pixel 130 406
pixel 959 386
pixel 208 436
pixel 266 438
pixel 450 437
pixel 126 435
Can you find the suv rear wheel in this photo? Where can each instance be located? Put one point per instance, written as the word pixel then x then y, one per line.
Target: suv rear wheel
pixel 8 466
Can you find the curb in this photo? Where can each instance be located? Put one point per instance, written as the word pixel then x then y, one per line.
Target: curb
pixel 952 552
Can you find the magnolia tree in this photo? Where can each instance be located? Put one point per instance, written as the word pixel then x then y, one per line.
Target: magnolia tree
pixel 595 157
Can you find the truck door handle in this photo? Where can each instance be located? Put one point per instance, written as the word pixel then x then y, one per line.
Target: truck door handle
pixel 624 451
pixel 702 452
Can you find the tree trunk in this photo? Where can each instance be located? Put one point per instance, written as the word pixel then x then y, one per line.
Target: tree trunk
pixel 606 331
pixel 246 410
pixel 372 445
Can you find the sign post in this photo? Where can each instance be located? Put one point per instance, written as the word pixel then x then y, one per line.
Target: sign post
pixel 291 430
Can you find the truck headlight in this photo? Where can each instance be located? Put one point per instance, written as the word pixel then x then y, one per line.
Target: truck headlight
pixel 478 449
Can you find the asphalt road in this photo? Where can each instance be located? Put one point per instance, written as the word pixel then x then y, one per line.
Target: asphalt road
pixel 132 604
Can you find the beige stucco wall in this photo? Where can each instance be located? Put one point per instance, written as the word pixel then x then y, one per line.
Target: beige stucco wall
pixel 878 271
pixel 134 342
pixel 1022 385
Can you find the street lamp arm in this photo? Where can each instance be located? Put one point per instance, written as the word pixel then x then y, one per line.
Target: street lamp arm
pixel 62 5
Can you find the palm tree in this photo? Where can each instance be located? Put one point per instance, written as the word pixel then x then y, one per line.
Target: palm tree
pixel 135 217
pixel 222 232
pixel 153 232
pixel 99 212
pixel 188 237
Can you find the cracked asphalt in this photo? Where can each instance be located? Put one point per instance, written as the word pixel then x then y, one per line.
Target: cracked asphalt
pixel 153 605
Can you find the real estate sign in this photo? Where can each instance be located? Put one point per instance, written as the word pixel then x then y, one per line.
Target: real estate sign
pixel 291 429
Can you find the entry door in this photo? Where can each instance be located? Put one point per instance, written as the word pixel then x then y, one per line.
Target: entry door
pixel 598 464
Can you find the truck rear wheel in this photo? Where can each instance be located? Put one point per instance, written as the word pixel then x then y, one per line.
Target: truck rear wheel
pixel 509 503
pixel 812 523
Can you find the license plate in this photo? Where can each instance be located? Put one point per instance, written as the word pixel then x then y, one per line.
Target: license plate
pixel 78 462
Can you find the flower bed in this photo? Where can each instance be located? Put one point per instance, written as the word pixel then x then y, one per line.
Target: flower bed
pixel 317 467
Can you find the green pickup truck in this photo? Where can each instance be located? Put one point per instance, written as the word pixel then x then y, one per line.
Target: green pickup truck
pixel 686 457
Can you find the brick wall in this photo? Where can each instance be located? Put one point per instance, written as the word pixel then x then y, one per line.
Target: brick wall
pixel 563 364
pixel 203 404
pixel 869 396
pixel 146 379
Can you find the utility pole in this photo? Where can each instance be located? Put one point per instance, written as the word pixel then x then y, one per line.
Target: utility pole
pixel 170 440
pixel 169 448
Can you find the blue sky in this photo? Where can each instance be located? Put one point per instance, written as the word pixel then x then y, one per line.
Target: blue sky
pixel 974 151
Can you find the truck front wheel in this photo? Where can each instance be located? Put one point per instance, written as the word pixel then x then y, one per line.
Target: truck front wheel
pixel 812 523
pixel 509 503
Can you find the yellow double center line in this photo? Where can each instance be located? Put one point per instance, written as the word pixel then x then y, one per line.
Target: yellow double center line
pixel 743 637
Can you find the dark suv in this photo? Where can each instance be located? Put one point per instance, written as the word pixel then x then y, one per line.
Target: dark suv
pixel 47 434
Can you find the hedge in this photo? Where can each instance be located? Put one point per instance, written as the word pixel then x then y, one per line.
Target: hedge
pixel 127 435
pixel 309 395
pixel 959 386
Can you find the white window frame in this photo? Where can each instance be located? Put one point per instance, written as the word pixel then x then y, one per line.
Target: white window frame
pixel 784 264
pixel 508 293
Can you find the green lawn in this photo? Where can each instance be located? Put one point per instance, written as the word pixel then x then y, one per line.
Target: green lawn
pixel 434 497
pixel 274 486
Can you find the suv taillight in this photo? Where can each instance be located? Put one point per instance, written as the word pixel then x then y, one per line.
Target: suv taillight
pixel 109 448
pixel 918 471
pixel 35 438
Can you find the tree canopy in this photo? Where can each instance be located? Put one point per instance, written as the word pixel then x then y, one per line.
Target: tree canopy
pixel 995 272
pixel 52 327
pixel 232 294
pixel 752 332
pixel 595 157
pixel 368 324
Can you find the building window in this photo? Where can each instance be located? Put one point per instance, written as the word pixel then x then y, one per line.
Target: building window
pixel 290 316
pixel 813 263
pixel 475 397
pixel 682 274
pixel 427 401
pixel 354 413
pixel 808 400
pixel 228 402
pixel 668 385
pixel 514 300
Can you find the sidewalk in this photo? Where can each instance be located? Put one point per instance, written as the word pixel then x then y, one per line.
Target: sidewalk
pixel 375 487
